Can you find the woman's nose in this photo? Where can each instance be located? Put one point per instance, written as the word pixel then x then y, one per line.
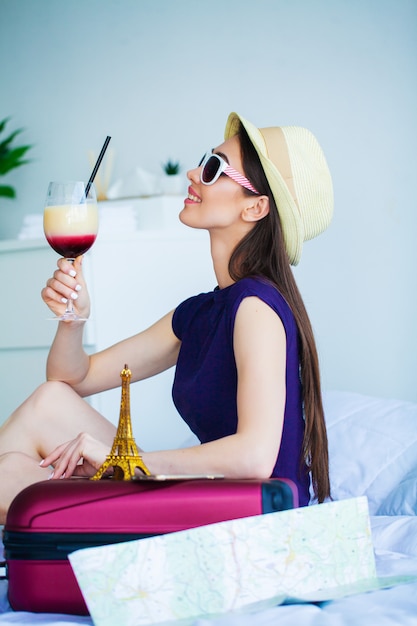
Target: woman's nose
pixel 194 174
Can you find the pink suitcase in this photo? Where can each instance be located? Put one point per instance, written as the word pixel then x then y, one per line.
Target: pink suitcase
pixel 48 520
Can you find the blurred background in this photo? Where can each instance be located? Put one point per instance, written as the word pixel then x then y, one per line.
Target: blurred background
pixel 161 76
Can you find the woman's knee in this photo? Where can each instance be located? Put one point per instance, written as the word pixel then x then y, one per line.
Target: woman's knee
pixel 45 400
pixel 42 403
pixel 50 391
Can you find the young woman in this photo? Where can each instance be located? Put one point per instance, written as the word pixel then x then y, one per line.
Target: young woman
pixel 247 377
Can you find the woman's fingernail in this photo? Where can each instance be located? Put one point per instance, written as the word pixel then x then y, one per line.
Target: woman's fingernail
pixel 51 475
pixel 74 295
pixel 64 300
pixel 63 475
pixel 41 462
pixel 72 273
pixel 78 288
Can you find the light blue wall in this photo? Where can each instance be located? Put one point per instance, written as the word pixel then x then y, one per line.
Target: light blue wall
pixel 160 76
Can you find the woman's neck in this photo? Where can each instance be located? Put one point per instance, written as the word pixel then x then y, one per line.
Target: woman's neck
pixel 221 251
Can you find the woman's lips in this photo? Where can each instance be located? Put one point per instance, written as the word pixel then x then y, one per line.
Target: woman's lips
pixel 192 196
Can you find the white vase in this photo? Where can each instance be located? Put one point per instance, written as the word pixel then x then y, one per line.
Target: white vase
pixel 173 185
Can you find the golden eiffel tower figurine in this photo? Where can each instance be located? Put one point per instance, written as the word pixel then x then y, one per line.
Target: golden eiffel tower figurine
pixel 124 456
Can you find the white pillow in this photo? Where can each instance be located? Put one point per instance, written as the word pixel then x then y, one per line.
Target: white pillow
pixel 403 499
pixel 372 449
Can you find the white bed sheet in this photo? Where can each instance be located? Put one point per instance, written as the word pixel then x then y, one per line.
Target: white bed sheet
pixel 373 452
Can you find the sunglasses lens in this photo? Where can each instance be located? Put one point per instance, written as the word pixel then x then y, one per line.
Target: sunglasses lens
pixel 210 170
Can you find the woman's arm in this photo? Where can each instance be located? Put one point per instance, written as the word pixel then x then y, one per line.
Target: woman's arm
pixel 260 354
pixel 260 351
pixel 67 360
pixel 146 353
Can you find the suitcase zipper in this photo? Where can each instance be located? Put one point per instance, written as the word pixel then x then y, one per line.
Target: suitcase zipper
pixel 57 546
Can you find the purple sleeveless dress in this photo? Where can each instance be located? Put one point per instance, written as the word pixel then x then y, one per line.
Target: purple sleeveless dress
pixel 205 383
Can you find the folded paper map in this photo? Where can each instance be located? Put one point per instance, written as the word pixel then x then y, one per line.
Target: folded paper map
pixel 230 566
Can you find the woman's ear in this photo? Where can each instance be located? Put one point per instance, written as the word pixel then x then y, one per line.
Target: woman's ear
pixel 256 209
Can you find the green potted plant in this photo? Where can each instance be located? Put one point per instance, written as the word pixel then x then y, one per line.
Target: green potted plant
pixel 10 157
pixel 172 182
pixel 171 168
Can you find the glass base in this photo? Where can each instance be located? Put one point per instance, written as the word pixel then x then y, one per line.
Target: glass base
pixel 68 317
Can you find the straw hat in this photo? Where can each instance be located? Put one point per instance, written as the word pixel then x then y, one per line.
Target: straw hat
pixel 297 173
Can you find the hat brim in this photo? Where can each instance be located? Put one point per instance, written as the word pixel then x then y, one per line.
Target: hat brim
pixel 291 222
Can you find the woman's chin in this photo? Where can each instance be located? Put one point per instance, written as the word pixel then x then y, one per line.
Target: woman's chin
pixel 186 219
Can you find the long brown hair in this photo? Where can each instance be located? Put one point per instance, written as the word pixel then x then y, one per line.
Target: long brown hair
pixel 262 253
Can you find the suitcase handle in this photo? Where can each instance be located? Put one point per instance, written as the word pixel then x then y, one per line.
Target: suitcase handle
pixel 3 570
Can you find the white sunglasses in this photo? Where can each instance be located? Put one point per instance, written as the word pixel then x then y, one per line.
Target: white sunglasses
pixel 212 165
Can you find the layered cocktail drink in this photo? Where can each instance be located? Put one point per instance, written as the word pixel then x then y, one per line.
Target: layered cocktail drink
pixel 71 229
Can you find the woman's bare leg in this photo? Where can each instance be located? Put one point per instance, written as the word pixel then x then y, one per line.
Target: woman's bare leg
pixel 52 415
pixel 17 471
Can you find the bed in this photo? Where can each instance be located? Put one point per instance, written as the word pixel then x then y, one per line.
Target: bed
pixel 373 452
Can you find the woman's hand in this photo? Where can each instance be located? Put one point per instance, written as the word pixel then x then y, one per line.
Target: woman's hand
pixel 82 456
pixel 67 282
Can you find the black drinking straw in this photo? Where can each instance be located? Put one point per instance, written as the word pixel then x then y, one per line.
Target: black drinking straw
pixel 97 165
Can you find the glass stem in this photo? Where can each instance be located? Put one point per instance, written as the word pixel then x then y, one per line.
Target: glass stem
pixel 70 303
